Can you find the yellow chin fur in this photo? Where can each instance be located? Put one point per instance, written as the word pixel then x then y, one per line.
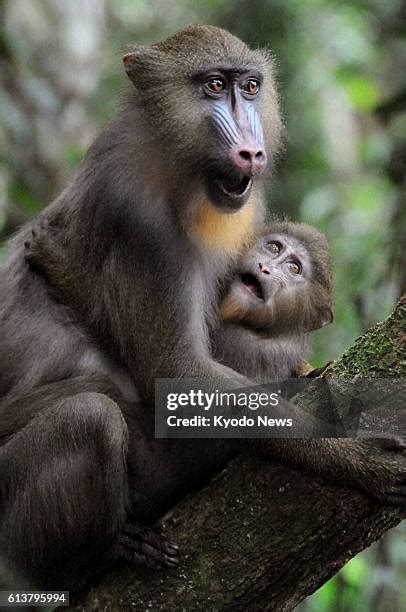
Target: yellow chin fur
pixel 224 232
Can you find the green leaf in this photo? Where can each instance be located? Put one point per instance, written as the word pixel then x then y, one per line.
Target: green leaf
pixel 25 198
pixel 355 571
pixel 363 94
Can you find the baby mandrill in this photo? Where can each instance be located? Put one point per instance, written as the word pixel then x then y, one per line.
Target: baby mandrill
pixel 281 291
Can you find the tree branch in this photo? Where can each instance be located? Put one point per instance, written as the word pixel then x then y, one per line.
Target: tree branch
pixel 262 536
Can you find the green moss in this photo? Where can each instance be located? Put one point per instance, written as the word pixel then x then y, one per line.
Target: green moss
pixel 380 352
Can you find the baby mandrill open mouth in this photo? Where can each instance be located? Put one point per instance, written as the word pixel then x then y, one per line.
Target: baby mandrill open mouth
pixel 252 283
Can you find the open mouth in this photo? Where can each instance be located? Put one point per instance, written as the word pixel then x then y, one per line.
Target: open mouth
pixel 252 284
pixel 235 186
pixel 229 191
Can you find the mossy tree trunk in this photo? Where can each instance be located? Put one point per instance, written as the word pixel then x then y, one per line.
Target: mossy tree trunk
pixel 262 536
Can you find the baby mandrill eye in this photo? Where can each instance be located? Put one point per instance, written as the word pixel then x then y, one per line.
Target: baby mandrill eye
pixel 294 267
pixel 274 247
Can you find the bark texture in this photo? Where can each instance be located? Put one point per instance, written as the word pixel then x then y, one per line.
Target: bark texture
pixel 262 536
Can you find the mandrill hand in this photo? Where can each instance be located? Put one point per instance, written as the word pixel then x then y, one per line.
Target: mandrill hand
pixel 381 469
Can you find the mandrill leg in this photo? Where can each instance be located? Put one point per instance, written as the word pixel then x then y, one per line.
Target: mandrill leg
pixel 64 490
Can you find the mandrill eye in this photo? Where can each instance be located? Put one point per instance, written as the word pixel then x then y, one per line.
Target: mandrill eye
pixel 251 86
pixel 215 85
pixel 274 247
pixel 294 267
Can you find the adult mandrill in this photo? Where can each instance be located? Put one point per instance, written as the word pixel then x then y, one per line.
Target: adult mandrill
pixel 158 211
pixel 162 204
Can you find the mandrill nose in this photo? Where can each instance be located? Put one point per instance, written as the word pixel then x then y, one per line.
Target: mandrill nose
pixel 250 160
pixel 264 269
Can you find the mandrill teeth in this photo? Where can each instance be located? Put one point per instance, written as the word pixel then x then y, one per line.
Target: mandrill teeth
pixel 236 187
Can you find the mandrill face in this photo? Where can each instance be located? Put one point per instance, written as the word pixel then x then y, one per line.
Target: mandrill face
pixel 208 92
pixel 273 287
pixel 231 99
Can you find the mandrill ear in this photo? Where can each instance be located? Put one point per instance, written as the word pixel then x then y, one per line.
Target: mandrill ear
pixel 140 62
pixel 130 61
pixel 134 60
pixel 322 316
pixel 326 316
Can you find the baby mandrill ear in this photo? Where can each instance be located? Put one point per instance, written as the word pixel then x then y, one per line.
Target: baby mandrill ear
pixel 326 316
pixel 321 316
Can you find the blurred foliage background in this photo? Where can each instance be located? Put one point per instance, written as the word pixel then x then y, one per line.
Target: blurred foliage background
pixel 342 68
